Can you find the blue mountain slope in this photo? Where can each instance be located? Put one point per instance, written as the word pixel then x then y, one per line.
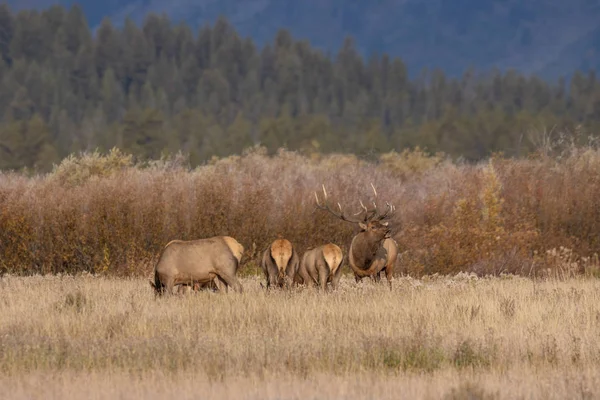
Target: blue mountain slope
pixel 548 37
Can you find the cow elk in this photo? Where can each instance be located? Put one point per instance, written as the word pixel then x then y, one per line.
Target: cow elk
pixel 320 266
pixel 198 262
pixel 372 250
pixel 280 263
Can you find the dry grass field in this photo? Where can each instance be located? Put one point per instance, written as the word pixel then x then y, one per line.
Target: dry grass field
pixel 503 303
pixel 456 338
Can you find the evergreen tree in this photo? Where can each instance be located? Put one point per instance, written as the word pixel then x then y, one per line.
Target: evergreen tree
pixel 6 33
pixel 107 50
pixel 158 87
pixel 30 40
pixel 77 32
pixel 26 143
pixel 112 97
pixel 143 133
pixel 159 35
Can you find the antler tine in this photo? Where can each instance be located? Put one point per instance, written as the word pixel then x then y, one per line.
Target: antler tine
pixel 324 197
pixel 363 209
pixel 363 206
pixel 374 214
pixel 326 207
pixel 390 210
pixel 374 191
pixel 369 214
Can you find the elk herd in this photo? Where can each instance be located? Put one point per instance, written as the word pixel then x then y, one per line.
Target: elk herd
pixel 213 262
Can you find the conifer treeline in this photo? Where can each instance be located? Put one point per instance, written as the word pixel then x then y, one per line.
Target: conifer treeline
pixel 161 88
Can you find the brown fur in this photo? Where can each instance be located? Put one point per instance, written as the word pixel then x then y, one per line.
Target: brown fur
pixel 391 252
pixel 320 266
pixel 280 263
pixel 200 262
pixel 365 255
pixel 236 249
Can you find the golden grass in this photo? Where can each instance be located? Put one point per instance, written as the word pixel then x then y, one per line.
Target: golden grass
pixel 517 383
pixel 508 337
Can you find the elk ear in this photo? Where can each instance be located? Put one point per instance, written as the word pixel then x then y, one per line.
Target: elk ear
pixel 385 223
pixel 362 226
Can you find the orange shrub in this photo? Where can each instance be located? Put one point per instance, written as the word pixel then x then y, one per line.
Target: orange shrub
pixel 105 214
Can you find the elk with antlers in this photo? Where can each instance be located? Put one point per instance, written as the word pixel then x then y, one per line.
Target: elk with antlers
pixel 372 250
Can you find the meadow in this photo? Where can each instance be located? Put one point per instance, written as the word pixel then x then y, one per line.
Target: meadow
pixel 495 295
pixel 459 337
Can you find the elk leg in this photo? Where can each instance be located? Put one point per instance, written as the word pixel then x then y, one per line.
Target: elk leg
pixel 169 285
pixel 297 280
pixel 335 280
pixel 232 281
pixel 183 289
pixel 266 273
pixel 272 280
pixel 288 281
pixel 221 286
pixel 389 273
pixel 305 276
pixel 377 277
pixel 323 275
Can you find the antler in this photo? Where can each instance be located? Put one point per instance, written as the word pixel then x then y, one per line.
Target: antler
pixel 374 214
pixel 339 214
pixel 370 215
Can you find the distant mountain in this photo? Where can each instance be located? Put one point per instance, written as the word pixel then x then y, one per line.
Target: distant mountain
pixel 546 37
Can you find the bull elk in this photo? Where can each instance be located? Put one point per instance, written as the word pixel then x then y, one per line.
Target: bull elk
pixel 280 263
pixel 198 262
pixel 372 250
pixel 320 266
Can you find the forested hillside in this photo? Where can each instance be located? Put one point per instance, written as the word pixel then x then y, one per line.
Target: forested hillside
pixel 548 37
pixel 161 88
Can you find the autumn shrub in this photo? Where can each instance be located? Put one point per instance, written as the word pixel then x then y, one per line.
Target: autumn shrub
pixel 410 162
pixel 108 214
pixel 474 235
pixel 75 170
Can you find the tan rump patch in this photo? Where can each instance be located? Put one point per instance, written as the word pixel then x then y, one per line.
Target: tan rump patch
pixel 333 256
pixel 388 240
pixel 281 251
pixel 236 248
